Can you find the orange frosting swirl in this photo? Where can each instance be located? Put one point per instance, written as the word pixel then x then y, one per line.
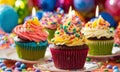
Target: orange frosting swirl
pixel 31 30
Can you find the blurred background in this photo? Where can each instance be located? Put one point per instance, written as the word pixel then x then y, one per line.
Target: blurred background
pixel 109 9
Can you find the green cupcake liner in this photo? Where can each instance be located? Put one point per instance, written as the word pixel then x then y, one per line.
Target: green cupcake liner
pixel 51 33
pixel 29 52
pixel 100 47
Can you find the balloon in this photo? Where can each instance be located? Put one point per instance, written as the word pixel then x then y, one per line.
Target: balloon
pixel 109 18
pixel 22 9
pixel 9 2
pixel 35 3
pixel 65 4
pixel 84 5
pixel 113 7
pixel 8 18
pixel 47 5
pixel 100 2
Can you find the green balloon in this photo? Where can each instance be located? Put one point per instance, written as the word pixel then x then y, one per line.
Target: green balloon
pixel 22 10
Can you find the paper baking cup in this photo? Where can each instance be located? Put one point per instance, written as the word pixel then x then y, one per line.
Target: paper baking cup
pixel 29 52
pixel 100 47
pixel 69 58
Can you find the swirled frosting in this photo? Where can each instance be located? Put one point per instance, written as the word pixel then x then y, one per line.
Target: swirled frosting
pixel 97 28
pixel 69 33
pixel 31 30
pixel 51 20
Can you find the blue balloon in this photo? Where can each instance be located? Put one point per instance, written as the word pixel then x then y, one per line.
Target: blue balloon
pixel 109 18
pixel 39 14
pixel 47 5
pixel 8 18
pixel 84 5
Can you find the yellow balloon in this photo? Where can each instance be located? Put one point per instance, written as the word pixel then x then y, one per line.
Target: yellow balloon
pixel 9 2
pixel 20 3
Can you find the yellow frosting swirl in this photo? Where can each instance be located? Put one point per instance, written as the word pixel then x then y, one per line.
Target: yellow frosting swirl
pixel 98 28
pixel 69 33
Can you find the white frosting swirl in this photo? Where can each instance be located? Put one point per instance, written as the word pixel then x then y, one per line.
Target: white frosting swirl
pixel 98 28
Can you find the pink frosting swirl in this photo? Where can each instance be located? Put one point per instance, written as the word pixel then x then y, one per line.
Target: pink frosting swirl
pixel 32 30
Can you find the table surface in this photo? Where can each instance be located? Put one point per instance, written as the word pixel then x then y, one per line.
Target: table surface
pixel 105 60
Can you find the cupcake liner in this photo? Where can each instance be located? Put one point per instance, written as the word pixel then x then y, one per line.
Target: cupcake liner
pixel 51 33
pixel 100 47
pixel 69 58
pixel 30 52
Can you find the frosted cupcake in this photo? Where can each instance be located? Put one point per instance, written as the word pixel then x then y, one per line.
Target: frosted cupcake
pixel 117 36
pixel 100 37
pixel 69 50
pixel 31 41
pixel 51 22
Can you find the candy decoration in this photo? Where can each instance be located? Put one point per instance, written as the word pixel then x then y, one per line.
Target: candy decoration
pixel 88 59
pixel 47 5
pixel 116 45
pixel 24 70
pixel 18 69
pixel 8 70
pixel 109 18
pixel 2 64
pixel 29 69
pixel 106 70
pixel 3 68
pixel 18 64
pixel 100 63
pixel 115 67
pixel 84 5
pixel 22 66
pixel 109 66
pixel 8 18
pixel 116 70
pixel 37 70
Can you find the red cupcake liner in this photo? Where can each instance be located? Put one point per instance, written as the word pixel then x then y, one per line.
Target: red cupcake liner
pixel 69 58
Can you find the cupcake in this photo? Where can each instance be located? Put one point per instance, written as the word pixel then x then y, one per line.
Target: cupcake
pixel 51 21
pixel 69 50
pixel 100 37
pixel 117 36
pixel 31 40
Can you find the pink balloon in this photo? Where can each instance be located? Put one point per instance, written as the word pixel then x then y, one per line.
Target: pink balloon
pixel 32 3
pixel 113 7
pixel 65 4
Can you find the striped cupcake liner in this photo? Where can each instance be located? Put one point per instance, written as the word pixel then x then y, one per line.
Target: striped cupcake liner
pixel 100 47
pixel 69 58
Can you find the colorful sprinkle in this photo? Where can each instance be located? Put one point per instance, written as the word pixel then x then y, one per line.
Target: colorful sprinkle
pixel 88 59
pixel 116 70
pixel 109 66
pixel 106 70
pixel 17 64
pixel 22 66
pixel 2 64
pixel 37 70
pixel 4 67
pixel 69 23
pixel 115 67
